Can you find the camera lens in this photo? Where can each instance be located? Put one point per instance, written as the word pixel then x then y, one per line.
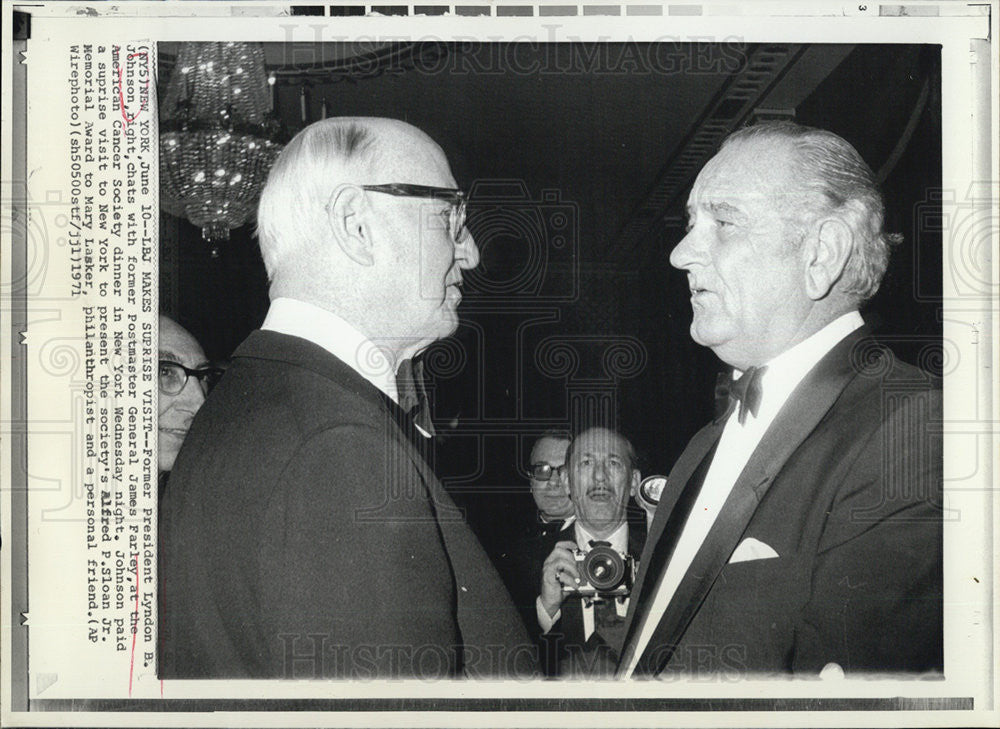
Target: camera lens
pixel 604 568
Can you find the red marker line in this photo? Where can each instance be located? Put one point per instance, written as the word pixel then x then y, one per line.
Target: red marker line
pixel 135 627
pixel 121 94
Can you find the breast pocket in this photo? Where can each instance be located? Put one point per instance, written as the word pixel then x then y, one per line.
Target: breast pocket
pixel 750 612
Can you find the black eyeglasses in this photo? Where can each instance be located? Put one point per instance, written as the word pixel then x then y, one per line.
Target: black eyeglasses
pixel 543 471
pixel 453 196
pixel 173 377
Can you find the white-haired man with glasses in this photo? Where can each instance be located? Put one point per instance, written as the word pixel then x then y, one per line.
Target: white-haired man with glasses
pixel 326 547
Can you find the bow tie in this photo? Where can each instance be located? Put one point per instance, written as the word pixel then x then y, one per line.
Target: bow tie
pixel 599 543
pixel 746 391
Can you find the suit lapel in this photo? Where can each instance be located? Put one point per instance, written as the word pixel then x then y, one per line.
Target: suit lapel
pixel 636 539
pixel 802 412
pixel 298 352
pixel 571 621
pixel 486 617
pixel 406 425
pixel 680 474
pixel 652 561
pixel 493 635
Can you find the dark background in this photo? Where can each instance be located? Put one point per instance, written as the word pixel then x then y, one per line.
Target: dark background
pixel 580 157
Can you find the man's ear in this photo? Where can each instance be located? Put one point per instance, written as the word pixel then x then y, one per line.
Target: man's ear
pixel 826 255
pixel 346 214
pixel 636 480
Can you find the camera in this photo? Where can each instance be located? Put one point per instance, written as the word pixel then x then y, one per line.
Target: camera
pixel 604 572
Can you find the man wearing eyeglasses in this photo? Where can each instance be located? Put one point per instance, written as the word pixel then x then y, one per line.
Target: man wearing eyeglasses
pixel 548 487
pixel 185 378
pixel 519 559
pixel 307 536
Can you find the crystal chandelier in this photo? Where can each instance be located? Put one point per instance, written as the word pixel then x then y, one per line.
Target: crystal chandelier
pixel 217 137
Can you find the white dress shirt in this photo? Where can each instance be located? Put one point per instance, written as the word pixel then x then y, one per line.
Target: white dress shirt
pixel 737 444
pixel 619 542
pixel 338 337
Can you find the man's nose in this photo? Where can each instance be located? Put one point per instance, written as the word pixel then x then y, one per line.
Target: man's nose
pixel 600 472
pixel 192 396
pixel 466 250
pixel 685 254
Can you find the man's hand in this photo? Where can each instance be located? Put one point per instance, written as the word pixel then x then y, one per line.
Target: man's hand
pixel 558 569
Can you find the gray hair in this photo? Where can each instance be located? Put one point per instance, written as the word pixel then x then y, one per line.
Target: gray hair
pixel 629 448
pixel 555 434
pixel 833 169
pixel 291 213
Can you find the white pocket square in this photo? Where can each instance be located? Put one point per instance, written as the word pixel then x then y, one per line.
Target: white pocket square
pixel 751 549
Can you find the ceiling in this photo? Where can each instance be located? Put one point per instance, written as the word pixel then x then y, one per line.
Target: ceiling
pixel 599 129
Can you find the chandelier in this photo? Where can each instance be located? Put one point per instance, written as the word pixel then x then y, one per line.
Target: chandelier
pixel 217 136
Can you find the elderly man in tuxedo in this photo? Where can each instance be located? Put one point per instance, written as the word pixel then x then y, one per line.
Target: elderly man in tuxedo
pixel 601 474
pixel 800 532
pixel 304 534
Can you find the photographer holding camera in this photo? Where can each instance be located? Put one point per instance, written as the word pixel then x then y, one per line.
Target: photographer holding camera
pixel 586 582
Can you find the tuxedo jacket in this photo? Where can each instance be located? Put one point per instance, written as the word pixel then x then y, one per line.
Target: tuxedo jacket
pixel 522 562
pixel 304 536
pixel 845 487
pixel 566 649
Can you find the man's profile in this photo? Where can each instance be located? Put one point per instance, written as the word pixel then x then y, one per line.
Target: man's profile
pixel 304 534
pixel 800 531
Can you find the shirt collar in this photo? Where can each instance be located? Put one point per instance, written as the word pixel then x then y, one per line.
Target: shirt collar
pixel 785 371
pixel 544 518
pixel 337 336
pixel 618 538
pixel 562 523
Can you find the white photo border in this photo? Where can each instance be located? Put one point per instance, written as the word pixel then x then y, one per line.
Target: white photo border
pixel 969 131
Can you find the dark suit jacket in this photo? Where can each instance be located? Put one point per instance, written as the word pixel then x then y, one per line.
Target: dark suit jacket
pixel 566 648
pixel 846 487
pixel 304 536
pixel 520 565
pixel 522 569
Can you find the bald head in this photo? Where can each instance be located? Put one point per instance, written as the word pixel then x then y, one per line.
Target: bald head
pixel 389 261
pixel 175 339
pixel 292 220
